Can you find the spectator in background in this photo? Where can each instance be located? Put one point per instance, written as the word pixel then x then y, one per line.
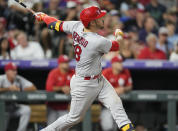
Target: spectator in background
pixel 150 51
pixel 137 23
pixel 163 43
pixel 16 7
pixel 52 42
pixel 2 27
pixel 144 2
pixel 125 7
pixel 171 16
pixel 174 54
pixel 126 49
pixel 88 3
pixel 59 81
pixel 149 27
pixel 26 50
pixel 4 49
pixel 121 80
pixel 156 10
pixel 172 36
pixel 10 81
pixel 12 32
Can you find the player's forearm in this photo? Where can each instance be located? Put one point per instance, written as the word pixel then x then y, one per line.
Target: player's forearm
pixel 32 88
pixel 127 89
pixel 53 23
pixel 57 88
pixel 4 89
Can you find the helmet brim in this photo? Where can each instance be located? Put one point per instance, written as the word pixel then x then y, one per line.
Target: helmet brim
pixel 102 14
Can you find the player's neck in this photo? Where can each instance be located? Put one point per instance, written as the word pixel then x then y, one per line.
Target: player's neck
pixel 115 71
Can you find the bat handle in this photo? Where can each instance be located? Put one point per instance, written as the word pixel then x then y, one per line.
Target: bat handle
pixel 30 10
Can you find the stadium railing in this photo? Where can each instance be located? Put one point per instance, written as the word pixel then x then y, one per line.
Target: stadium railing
pixel 171 97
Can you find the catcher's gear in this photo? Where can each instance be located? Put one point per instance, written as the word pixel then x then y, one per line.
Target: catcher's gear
pixel 128 127
pixel 91 13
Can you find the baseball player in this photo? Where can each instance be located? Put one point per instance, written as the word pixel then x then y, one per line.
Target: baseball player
pixel 88 84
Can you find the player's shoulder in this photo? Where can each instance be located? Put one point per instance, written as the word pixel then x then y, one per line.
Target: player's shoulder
pixel 54 71
pixel 74 24
pixel 2 77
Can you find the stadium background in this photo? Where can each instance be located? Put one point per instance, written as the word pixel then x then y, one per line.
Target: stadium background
pixel 121 14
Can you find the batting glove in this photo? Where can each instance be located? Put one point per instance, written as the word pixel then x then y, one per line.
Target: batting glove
pixel 119 34
pixel 39 16
pixel 128 127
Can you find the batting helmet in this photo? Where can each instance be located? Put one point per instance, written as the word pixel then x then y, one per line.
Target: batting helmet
pixel 91 13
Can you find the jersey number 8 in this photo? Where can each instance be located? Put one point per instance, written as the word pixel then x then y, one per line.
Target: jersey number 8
pixel 78 51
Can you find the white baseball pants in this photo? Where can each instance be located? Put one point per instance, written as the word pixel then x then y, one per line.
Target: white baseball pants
pixel 83 93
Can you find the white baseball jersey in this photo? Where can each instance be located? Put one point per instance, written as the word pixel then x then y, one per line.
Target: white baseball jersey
pixel 89 48
pixel 19 82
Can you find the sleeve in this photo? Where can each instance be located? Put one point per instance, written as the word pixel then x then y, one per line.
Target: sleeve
pixel 115 46
pixel 24 82
pixel 129 79
pixel 1 83
pixel 68 26
pixel 104 45
pixel 50 82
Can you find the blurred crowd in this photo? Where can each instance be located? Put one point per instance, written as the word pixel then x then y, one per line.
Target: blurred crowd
pixel 150 32
pixel 150 28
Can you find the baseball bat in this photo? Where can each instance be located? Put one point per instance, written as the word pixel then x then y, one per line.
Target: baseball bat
pixel 22 4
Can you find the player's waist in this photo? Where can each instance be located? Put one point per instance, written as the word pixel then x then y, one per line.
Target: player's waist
pixel 90 77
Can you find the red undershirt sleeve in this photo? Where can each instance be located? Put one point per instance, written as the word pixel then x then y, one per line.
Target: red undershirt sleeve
pixel 115 46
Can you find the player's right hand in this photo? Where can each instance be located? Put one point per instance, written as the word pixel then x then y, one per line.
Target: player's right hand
pixel 119 34
pixel 14 88
pixel 39 16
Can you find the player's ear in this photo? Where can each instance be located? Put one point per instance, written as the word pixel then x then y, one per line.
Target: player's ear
pixel 92 23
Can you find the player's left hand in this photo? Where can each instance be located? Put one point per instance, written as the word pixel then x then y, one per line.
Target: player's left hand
pixel 119 34
pixel 66 90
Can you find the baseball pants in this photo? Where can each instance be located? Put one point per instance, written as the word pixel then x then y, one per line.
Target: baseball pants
pixel 83 93
pixel 24 113
pixel 54 115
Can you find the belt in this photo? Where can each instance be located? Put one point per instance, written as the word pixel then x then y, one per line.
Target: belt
pixel 92 77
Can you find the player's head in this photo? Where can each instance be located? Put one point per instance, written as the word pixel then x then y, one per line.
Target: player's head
pixel 11 70
pixel 117 63
pixel 63 62
pixel 93 17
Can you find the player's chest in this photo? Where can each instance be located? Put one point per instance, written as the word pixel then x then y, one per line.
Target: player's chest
pixel 62 79
pixel 118 80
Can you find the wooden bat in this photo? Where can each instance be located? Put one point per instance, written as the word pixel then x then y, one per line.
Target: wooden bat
pixel 22 4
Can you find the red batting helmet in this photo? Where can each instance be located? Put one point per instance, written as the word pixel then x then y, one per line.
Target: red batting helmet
pixel 91 13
